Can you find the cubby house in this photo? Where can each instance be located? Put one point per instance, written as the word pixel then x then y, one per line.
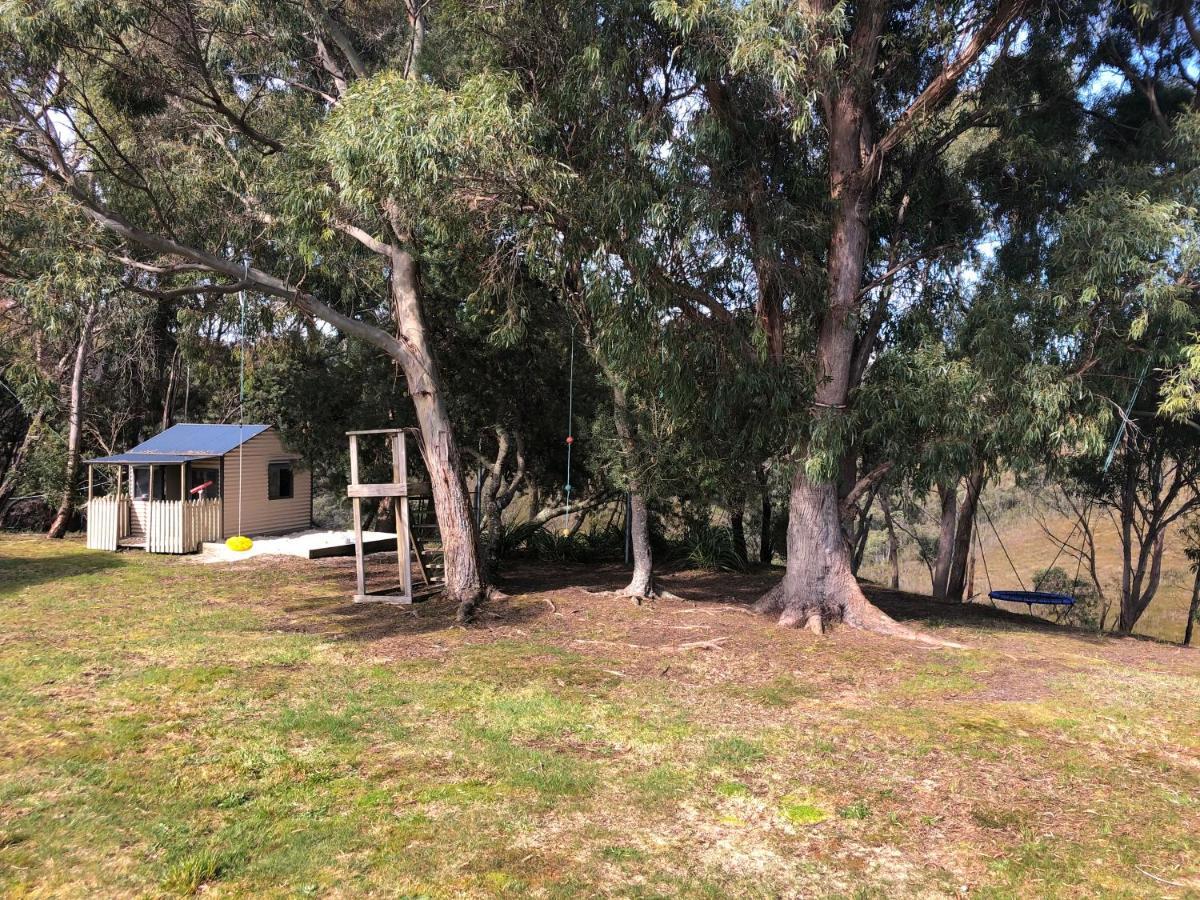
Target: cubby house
pixel 191 483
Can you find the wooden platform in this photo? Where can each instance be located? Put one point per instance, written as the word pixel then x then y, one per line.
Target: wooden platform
pixel 307 545
pixel 370 545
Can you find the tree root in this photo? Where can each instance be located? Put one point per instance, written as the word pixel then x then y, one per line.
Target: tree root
pixel 468 608
pixel 860 613
pixel 638 599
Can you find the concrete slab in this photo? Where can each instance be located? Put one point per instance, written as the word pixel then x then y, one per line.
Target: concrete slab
pixel 304 544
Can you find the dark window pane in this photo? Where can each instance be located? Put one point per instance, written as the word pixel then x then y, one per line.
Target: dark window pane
pixel 199 476
pixel 279 480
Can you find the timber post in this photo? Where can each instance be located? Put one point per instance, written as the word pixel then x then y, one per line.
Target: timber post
pixel 397 489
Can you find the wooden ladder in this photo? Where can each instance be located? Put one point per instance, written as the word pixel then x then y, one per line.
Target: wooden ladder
pixel 426 540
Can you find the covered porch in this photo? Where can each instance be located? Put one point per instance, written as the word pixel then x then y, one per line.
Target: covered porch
pixel 160 503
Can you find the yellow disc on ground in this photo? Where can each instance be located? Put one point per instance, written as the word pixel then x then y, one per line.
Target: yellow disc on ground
pixel 566 532
pixel 239 543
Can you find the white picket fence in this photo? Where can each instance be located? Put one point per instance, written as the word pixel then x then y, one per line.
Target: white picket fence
pixel 168 526
pixel 205 518
pixel 107 522
pixel 180 526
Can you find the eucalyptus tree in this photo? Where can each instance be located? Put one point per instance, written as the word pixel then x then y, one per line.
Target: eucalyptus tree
pixel 340 147
pixel 1126 267
pixel 869 89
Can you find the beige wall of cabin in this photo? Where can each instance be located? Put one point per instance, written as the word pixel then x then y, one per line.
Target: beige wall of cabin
pixel 261 515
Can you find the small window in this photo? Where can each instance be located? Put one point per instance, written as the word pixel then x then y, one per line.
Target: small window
pixel 141 483
pixel 279 480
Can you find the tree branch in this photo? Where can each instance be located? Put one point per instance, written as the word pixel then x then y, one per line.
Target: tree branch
pixel 938 91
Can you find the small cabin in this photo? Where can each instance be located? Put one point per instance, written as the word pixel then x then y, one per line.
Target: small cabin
pixel 197 483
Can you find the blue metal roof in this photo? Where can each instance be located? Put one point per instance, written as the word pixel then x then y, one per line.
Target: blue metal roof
pixel 181 443
pixel 145 459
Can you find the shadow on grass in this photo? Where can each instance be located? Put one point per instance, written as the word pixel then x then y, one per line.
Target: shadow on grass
pixel 332 615
pixel 20 572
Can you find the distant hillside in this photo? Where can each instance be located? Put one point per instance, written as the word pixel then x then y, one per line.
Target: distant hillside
pixel 1016 513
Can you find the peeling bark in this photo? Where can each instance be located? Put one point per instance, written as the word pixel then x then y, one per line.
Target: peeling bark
pixel 641 585
pixel 956 583
pixel 66 506
pixel 948 495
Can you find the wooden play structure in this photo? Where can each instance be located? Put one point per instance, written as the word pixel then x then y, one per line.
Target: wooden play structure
pixel 407 496
pixel 195 483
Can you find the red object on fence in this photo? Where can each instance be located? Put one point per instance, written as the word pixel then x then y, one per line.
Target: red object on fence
pixel 200 487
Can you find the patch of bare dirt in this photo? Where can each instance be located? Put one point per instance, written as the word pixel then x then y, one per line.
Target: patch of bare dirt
pixel 710 635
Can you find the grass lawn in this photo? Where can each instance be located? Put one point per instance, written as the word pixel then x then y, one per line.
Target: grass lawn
pixel 168 727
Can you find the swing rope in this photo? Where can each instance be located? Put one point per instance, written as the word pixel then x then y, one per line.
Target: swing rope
pixel 567 488
pixel 241 384
pixel 1011 565
pixel 239 542
pixel 983 558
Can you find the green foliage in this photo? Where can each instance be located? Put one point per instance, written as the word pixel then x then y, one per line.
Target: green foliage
pixel 800 811
pixel 856 810
pixel 1088 611
pixel 708 546
pixel 449 153
pixel 515 536
pixel 582 546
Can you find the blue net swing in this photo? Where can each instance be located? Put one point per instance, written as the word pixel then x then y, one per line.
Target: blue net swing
pixel 1035 597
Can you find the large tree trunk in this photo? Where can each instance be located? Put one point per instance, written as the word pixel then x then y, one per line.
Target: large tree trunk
pixel 66 506
pixel 1140 579
pixel 766 549
pixel 818 583
pixel 1144 584
pixel 818 586
pixel 495 495
pixel 641 585
pixel 464 575
pixel 956 584
pixel 948 495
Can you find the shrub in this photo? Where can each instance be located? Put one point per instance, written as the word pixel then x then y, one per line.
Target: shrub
pixel 711 547
pixel 583 546
pixel 1088 611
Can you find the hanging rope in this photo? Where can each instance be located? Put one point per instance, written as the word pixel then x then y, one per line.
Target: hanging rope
pixel 1011 565
pixel 567 488
pixel 240 542
pixel 983 558
pixel 241 383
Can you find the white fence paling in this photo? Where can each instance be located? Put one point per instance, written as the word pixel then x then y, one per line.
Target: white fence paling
pixel 205 518
pixel 161 517
pixel 107 522
pixel 180 526
pixel 169 526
